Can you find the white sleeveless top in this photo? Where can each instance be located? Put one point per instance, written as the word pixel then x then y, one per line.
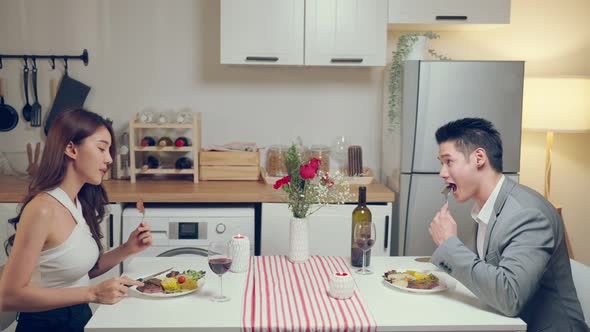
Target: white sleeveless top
pixel 67 265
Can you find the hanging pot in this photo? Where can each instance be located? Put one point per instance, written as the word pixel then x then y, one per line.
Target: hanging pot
pixel 298 240
pixel 8 115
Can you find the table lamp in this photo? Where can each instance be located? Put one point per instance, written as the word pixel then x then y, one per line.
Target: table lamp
pixel 556 105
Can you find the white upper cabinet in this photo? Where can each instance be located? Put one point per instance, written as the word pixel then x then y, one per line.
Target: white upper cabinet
pixel 345 32
pixel 262 32
pixel 455 12
pixel 304 32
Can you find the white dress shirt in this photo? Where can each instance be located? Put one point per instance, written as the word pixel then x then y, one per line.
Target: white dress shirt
pixel 482 216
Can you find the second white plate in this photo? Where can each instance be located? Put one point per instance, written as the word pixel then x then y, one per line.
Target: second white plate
pixel 445 282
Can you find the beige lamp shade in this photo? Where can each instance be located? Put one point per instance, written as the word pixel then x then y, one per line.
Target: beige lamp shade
pixel 556 104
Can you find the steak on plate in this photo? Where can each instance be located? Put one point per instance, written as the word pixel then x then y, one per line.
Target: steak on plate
pixel 151 286
pixel 423 284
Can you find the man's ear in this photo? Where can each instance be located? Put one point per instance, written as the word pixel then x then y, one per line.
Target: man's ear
pixel 71 150
pixel 481 157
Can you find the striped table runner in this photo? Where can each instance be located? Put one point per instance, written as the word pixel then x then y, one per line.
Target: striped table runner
pixel 282 296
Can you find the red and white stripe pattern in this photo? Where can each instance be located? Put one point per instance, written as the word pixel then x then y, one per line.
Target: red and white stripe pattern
pixel 282 296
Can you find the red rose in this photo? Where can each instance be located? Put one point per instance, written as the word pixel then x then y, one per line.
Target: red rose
pixel 282 181
pixel 315 163
pixel 307 171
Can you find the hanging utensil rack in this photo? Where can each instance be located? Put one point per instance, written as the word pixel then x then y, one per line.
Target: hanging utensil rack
pixel 52 58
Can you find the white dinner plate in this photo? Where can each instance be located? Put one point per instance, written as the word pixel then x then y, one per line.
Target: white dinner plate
pixel 200 284
pixel 445 282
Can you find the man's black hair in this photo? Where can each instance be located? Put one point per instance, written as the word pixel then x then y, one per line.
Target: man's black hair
pixel 472 133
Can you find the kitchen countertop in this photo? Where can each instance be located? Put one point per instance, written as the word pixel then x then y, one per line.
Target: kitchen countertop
pixel 13 190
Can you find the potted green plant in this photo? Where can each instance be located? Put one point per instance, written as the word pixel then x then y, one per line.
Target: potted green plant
pixel 404 47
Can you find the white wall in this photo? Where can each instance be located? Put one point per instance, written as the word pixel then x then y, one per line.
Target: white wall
pixel 166 55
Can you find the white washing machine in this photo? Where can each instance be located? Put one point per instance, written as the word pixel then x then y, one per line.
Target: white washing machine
pixel 187 230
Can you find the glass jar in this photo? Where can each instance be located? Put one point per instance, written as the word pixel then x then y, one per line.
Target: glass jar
pixel 321 152
pixel 184 116
pixel 275 160
pixel 163 118
pixel 146 116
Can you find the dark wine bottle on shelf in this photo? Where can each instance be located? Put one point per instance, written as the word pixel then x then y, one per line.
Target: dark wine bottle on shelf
pixel 182 141
pixel 360 215
pixel 165 141
pixel 148 141
pixel 184 163
pixel 150 162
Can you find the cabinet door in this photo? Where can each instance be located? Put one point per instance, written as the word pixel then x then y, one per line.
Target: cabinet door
pixel 449 12
pixel 7 211
pixel 262 32
pixel 330 230
pixel 345 32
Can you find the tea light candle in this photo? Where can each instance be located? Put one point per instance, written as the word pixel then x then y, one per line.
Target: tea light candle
pixel 239 251
pixel 341 285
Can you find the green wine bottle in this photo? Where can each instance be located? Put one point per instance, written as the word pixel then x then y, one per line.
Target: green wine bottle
pixel 360 215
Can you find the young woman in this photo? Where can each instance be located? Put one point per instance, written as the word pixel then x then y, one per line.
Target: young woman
pixel 57 248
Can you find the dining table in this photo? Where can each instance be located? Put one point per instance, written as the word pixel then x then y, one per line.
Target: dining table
pixel 277 295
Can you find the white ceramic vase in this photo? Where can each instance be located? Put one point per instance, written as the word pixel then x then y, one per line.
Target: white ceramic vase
pixel 298 240
pixel 419 51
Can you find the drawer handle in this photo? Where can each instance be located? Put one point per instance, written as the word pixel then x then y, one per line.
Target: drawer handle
pixel 262 58
pixel 346 60
pixel 385 240
pixel 451 18
pixel 111 224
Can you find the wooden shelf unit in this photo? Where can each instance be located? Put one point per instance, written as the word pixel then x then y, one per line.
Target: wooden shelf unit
pixel 136 130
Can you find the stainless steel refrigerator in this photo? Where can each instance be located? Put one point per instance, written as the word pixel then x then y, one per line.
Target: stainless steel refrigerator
pixel 434 93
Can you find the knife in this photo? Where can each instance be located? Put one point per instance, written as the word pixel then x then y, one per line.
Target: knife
pixel 151 275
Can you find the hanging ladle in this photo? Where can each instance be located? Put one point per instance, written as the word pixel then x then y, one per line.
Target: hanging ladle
pixel 27 108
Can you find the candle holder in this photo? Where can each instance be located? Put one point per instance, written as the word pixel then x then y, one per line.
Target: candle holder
pixel 239 251
pixel 341 285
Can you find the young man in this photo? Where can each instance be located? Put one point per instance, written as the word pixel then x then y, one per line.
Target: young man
pixel 521 265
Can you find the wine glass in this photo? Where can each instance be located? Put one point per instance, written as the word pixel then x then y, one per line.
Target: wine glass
pixel 364 236
pixel 219 262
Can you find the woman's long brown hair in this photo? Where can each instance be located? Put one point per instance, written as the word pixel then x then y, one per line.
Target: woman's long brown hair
pixel 69 126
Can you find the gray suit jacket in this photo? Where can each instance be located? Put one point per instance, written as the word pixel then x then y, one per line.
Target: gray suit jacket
pixel 526 272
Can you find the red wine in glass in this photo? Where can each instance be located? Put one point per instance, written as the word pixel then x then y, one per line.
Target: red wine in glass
pixel 219 262
pixel 365 244
pixel 364 235
pixel 220 265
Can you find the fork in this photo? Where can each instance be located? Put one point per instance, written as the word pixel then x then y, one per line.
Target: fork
pixel 445 192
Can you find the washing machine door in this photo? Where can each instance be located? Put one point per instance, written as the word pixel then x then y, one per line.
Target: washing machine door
pixel 185 251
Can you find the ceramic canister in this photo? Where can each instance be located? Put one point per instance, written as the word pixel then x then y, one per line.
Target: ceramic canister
pixel 239 247
pixel 341 285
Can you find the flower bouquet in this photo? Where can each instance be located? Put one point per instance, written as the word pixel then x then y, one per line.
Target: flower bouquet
pixel 308 189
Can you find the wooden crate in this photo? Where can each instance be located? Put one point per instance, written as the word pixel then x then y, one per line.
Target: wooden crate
pixel 229 165
pixel 229 158
pixel 367 178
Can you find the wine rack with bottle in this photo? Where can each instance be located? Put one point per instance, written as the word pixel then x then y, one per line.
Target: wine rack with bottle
pixel 141 141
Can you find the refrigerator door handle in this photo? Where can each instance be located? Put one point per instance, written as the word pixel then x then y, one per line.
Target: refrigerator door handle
pixel 386 238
